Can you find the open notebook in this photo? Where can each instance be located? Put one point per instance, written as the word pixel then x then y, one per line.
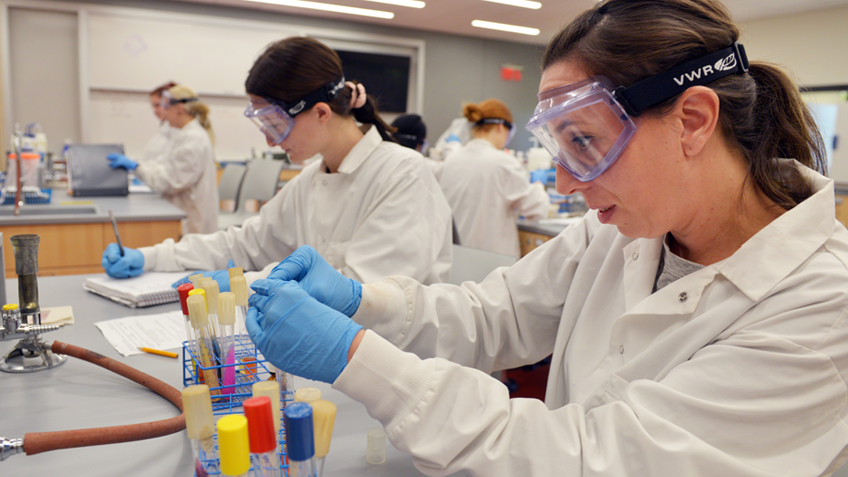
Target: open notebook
pixel 147 289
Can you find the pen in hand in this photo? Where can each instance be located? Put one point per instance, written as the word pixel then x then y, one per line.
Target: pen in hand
pixel 115 228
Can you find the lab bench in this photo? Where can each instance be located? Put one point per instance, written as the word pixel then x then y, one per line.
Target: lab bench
pixel 534 234
pixel 75 230
pixel 78 395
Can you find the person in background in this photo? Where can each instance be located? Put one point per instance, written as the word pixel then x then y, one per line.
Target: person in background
pixel 158 143
pixel 411 132
pixel 487 188
pixel 697 316
pixel 370 206
pixel 185 172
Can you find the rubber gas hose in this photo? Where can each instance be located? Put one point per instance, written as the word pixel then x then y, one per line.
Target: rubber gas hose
pixel 37 442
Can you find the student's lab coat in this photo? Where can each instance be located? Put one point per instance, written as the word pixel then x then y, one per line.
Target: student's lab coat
pixel 382 213
pixel 157 145
pixel 737 369
pixel 487 190
pixel 185 175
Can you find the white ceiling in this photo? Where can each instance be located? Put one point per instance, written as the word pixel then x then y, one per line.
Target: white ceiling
pixel 455 16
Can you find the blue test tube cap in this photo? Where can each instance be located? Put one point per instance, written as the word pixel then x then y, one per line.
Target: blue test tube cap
pixel 300 437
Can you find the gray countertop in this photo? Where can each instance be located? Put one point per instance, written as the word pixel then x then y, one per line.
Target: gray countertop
pixel 549 227
pixel 81 395
pixel 65 209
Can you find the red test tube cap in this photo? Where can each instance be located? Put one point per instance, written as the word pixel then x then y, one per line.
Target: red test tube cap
pixel 260 424
pixel 183 291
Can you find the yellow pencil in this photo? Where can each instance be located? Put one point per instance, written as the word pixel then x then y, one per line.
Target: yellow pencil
pixel 160 352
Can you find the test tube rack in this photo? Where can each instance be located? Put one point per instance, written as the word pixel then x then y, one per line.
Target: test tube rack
pixel 251 367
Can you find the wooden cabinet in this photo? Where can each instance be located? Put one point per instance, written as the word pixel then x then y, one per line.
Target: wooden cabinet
pixel 530 240
pixel 71 249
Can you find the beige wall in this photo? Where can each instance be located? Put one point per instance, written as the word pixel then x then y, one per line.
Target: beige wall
pixel 811 45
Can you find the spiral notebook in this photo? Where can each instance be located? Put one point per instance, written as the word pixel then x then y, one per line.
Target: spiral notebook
pixel 147 289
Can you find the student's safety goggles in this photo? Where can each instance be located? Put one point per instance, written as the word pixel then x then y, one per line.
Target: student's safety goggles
pixel 167 100
pixel 275 117
pixel 506 123
pixel 585 126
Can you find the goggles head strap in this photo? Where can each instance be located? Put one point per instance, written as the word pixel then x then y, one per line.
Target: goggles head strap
pixel 704 70
pixel 326 93
pixel 494 121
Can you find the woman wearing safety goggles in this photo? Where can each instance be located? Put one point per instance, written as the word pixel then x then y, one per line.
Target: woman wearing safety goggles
pixel 487 188
pixel 370 207
pixel 695 317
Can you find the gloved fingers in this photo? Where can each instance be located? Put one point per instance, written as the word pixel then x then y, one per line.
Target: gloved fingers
pixel 252 324
pixel 112 253
pixel 260 302
pixel 134 272
pixel 114 155
pixel 135 257
pixel 179 282
pixel 230 264
pixel 265 286
pixel 296 265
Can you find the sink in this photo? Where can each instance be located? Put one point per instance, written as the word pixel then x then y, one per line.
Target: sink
pixel 41 210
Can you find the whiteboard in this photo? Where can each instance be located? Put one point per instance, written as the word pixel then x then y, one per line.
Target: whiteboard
pixel 131 52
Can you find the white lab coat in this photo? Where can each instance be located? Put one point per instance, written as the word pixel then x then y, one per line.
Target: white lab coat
pixel 487 190
pixel 738 369
pixel 382 213
pixel 185 175
pixel 157 145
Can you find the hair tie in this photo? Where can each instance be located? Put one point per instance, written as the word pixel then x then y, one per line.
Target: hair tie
pixel 357 96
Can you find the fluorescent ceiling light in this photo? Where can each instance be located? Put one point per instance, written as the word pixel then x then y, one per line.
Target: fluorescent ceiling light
pixel 327 7
pixel 505 27
pixel 401 3
pixel 518 3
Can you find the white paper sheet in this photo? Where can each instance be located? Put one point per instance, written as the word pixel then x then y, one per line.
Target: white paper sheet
pixel 165 331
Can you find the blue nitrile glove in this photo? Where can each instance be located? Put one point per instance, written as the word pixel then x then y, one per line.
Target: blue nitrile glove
pixel 539 175
pixel 120 160
pixel 116 266
pixel 306 266
pixel 220 276
pixel 296 333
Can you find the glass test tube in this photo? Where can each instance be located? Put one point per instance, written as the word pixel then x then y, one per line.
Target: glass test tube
pixel 323 418
pixel 300 440
pixel 183 292
pixel 263 440
pixel 200 426
pixel 269 389
pixel 238 285
pixel 210 286
pixel 307 394
pixel 233 445
pixel 227 341
pixel 203 338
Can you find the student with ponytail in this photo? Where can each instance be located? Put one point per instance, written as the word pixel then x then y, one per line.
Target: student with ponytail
pixel 370 207
pixel 696 317
pixel 185 171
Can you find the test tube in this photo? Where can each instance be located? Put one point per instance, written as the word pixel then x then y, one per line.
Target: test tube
pixel 269 388
pixel 375 453
pixel 194 279
pixel 203 339
pixel 263 440
pixel 238 285
pixel 210 286
pixel 226 322
pixel 300 440
pixel 233 445
pixel 323 418
pixel 307 394
pixel 183 292
pixel 200 426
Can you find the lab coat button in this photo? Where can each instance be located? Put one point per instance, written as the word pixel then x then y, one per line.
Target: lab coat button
pixel 621 349
pixel 325 182
pixel 635 255
pixel 682 297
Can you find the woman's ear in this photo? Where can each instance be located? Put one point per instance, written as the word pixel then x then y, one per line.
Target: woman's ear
pixel 697 109
pixel 323 112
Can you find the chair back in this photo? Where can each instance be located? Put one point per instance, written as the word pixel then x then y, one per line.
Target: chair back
pixel 260 180
pixel 230 182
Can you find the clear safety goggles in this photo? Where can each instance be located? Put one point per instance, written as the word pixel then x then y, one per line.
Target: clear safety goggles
pixel 506 123
pixel 586 125
pixel 275 118
pixel 167 100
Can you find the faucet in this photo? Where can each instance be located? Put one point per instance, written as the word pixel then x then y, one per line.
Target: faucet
pixel 16 139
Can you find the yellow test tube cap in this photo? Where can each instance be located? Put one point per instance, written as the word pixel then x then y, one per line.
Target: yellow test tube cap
pixel 197 404
pixel 233 446
pixel 238 285
pixel 198 291
pixel 272 390
pixel 211 288
pixel 197 311
pixel 227 308
pixel 307 394
pixel 194 279
pixel 235 272
pixel 323 418
pixel 10 307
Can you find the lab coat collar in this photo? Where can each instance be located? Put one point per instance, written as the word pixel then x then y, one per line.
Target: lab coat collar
pixel 360 151
pixel 481 143
pixel 783 245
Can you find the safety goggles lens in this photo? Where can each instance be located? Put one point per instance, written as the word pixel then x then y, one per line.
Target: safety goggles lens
pixel 584 129
pixel 271 120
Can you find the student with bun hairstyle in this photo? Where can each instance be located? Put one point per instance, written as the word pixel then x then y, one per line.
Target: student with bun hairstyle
pixel 370 207
pixel 697 316
pixel 185 172
pixel 487 188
